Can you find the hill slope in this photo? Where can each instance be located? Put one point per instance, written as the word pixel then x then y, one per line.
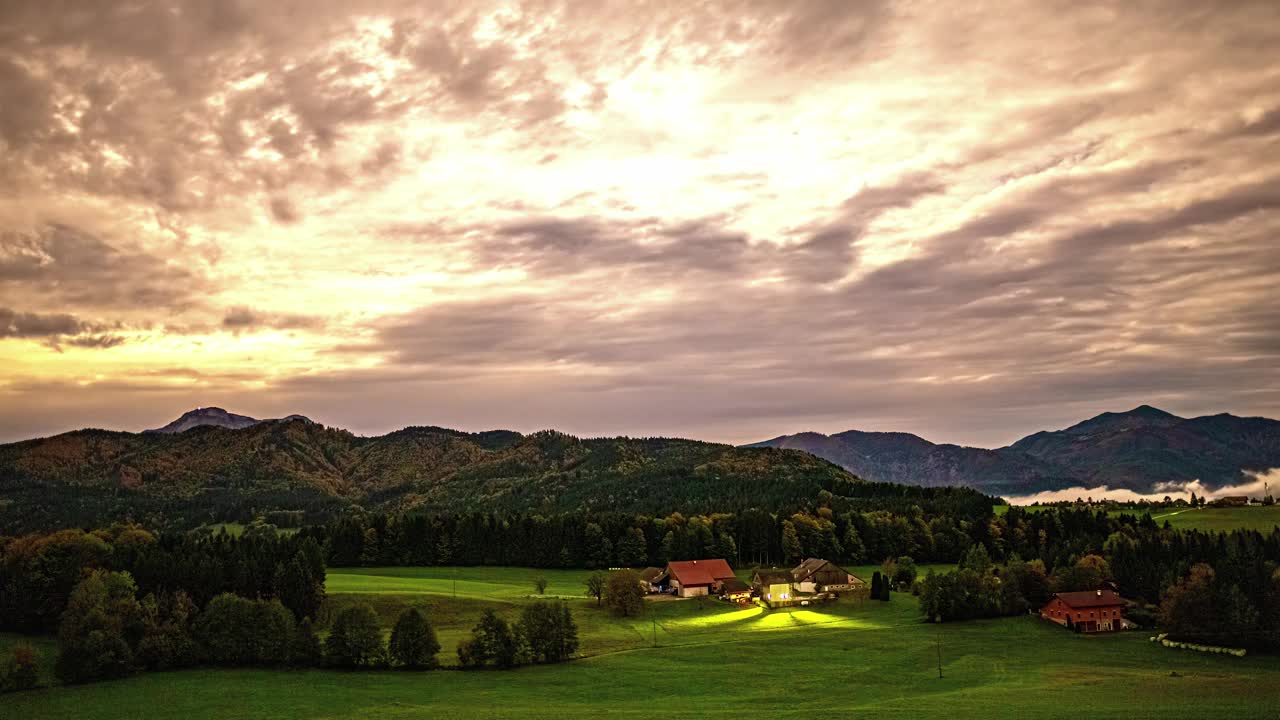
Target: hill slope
pixel 1139 450
pixel 207 473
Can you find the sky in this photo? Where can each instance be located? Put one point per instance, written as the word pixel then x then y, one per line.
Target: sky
pixel 724 220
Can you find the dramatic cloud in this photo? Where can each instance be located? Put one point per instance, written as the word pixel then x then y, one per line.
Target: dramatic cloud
pixel 730 220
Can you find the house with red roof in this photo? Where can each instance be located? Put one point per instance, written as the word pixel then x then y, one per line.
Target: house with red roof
pixel 1087 611
pixel 690 578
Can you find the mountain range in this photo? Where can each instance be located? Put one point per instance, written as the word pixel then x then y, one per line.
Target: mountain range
pixel 1141 450
pixel 210 465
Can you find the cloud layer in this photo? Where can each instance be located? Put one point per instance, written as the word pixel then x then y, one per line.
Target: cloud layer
pixel 1259 487
pixel 731 220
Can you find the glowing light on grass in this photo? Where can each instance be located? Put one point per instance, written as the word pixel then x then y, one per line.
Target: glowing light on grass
pixel 724 618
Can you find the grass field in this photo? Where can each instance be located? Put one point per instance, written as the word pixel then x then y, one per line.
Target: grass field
pixel 848 659
pixel 1224 519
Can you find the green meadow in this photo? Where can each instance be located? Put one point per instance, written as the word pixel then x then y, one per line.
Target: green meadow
pixel 706 658
pixel 1221 519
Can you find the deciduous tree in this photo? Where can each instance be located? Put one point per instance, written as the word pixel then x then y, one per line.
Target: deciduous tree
pixel 355 641
pixel 413 641
pixel 595 583
pixel 623 593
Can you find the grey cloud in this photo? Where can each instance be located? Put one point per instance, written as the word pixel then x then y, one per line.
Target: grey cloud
pixel 65 264
pixel 1267 124
pixel 55 329
pixel 386 156
pixel 283 210
pixel 27 114
pixel 245 318
pixel 14 324
pixel 873 201
pixel 1239 201
pixel 823 31
pixel 100 342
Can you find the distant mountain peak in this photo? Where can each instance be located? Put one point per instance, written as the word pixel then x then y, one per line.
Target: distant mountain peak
pixel 1149 411
pixel 218 417
pixel 203 416
pixel 1143 416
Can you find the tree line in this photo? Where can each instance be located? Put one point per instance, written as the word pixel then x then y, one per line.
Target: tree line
pixel 927 524
pixel 123 599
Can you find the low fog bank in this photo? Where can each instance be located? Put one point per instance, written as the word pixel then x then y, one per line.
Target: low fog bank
pixel 1175 490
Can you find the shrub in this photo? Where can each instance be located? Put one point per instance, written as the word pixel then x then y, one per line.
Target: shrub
pixel 22 669
pixel 904 572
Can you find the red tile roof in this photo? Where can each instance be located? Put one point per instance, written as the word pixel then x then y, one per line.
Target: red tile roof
pixel 699 572
pixel 1090 598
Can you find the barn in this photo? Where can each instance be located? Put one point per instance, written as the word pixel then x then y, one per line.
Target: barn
pixel 1088 611
pixel 690 578
pixel 652 579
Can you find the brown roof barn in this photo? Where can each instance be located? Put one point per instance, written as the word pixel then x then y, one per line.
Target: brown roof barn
pixel 698 577
pixel 818 575
pixel 1087 610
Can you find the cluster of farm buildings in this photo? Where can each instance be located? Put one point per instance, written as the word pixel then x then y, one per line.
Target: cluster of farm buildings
pixel 817 580
pixel 813 580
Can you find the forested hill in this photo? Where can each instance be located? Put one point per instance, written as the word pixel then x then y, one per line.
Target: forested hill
pixel 213 473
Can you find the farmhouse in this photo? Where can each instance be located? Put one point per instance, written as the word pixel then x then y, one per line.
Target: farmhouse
pixel 1088 611
pixel 813 579
pixel 815 575
pixel 689 578
pixel 735 590
pixel 773 586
